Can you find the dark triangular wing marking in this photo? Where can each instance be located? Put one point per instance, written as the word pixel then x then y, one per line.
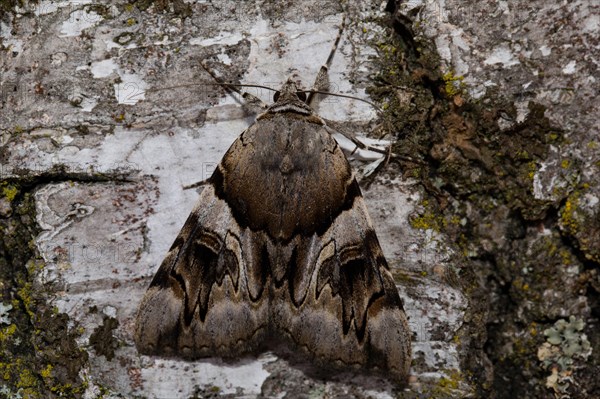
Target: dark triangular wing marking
pixel 203 270
pixel 352 314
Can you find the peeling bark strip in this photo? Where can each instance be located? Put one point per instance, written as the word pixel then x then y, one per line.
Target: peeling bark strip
pixel 279 248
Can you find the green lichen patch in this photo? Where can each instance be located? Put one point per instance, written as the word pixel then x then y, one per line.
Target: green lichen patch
pixel 565 349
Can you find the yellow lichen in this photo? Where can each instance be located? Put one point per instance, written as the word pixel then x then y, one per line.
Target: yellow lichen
pixel 26 379
pixel 455 220
pixel 46 372
pixel 532 167
pixel 7 332
pixel 565 256
pixel 568 217
pixel 453 84
pixel 27 299
pixel 552 136
pixel 428 220
pixel 533 329
pixel 9 192
pixel 449 383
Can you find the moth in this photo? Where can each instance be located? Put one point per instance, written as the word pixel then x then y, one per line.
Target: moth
pixel 279 250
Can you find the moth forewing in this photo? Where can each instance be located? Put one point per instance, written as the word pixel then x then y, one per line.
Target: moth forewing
pixel 279 249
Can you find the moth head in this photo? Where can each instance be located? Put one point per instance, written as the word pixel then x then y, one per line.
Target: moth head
pixel 289 92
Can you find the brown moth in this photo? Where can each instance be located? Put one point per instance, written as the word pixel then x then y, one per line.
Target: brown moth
pixel 279 249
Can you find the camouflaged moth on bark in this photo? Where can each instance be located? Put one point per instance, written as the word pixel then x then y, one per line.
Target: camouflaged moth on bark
pixel 279 248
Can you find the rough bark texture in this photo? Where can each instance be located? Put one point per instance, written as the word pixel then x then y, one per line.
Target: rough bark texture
pixel 489 218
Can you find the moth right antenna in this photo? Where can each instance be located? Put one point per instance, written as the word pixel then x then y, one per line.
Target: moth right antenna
pixel 322 81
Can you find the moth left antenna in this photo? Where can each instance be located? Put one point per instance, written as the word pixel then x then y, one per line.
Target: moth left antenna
pixel 251 100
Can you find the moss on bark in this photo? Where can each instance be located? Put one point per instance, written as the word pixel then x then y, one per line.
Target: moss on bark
pixel 40 358
pixel 519 269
